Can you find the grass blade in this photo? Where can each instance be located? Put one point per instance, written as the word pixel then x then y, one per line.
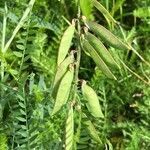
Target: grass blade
pixel 20 24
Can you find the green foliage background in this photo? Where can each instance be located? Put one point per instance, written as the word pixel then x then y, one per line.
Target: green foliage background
pixel 26 102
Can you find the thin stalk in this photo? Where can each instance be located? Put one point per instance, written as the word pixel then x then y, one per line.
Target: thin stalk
pixel 77 134
pixel 146 62
pixel 135 51
pixel 144 73
pixel 121 13
pixel 3 41
pixel 78 54
pixel 4 27
pixel 107 5
pixel 138 76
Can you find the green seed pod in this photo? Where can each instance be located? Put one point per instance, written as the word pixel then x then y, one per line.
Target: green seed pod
pixel 104 11
pixel 61 70
pixel 63 90
pixel 107 36
pixel 101 50
pixel 97 59
pixel 69 130
pixel 65 43
pixel 91 130
pixel 92 100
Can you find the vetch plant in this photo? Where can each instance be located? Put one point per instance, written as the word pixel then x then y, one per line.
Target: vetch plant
pixel 69 83
pixel 66 82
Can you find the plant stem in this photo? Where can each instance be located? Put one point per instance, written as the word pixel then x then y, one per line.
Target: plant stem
pixel 78 54
pixel 77 134
pixel 146 62
pixel 138 76
pixel 3 41
pixel 4 27
pixel 107 5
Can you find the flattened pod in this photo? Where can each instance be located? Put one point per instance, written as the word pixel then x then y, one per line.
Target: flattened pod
pixel 101 50
pixel 103 10
pixel 69 130
pixel 92 100
pixel 97 59
pixel 107 36
pixel 65 43
pixel 63 90
pixel 61 70
pixel 92 131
